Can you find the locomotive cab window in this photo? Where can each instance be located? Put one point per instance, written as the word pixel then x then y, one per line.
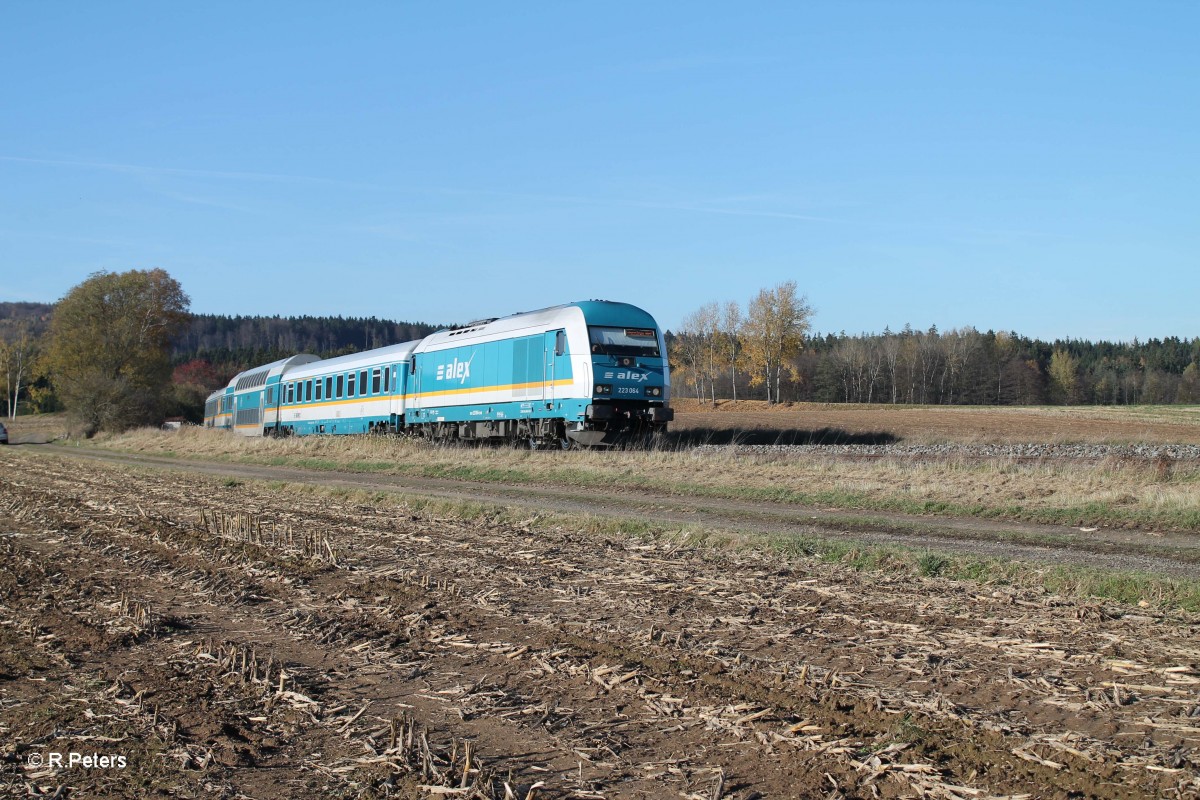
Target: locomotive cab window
pixel 271 395
pixel 560 343
pixel 623 341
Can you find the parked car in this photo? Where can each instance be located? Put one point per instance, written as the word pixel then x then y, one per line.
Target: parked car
pixel 3 434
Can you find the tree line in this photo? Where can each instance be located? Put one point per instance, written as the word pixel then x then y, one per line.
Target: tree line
pixel 232 343
pixel 122 349
pixel 201 353
pixel 718 353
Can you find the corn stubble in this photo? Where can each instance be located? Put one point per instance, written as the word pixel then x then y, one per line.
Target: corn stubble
pixel 244 640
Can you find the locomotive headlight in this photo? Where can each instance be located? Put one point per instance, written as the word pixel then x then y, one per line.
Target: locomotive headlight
pixel 603 388
pixel 654 391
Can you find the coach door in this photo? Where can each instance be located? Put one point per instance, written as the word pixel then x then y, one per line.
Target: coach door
pixel 271 400
pixel 556 345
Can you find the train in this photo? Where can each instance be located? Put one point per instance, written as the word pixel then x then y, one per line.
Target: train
pixel 585 374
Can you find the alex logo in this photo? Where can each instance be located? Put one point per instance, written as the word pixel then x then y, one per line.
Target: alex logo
pixel 637 377
pixel 455 370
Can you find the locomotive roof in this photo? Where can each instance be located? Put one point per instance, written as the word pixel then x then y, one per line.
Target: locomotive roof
pixel 595 312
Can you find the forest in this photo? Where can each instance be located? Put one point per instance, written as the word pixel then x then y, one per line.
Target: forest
pixel 767 351
pixel 718 352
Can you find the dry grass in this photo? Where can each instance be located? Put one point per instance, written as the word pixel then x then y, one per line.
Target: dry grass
pixel 37 428
pixel 1113 492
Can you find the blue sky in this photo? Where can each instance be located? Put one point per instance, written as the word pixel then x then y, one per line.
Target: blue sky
pixel 1020 166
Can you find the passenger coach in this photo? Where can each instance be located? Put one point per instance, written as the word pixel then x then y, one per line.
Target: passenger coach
pixel 585 373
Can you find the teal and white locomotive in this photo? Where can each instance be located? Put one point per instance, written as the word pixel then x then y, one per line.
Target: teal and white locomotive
pixel 586 373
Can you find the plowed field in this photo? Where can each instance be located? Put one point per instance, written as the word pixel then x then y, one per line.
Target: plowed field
pixel 233 640
pixel 755 421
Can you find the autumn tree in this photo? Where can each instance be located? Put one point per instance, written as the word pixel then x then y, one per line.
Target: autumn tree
pixel 198 372
pixel 109 347
pixel 16 360
pixel 685 356
pixel 1189 385
pixel 776 323
pixel 1064 377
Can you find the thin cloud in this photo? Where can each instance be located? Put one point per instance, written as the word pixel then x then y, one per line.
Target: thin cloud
pixel 139 169
pixel 736 212
pixel 679 63
pixel 623 203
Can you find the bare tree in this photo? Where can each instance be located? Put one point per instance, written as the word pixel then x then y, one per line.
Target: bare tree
pixel 16 356
pixel 889 348
pixel 685 360
pixel 874 359
pixel 929 358
pixel 849 354
pixel 701 347
pixel 959 346
pixel 731 327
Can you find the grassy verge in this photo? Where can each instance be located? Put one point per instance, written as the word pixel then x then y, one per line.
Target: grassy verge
pixel 1125 587
pixel 1120 493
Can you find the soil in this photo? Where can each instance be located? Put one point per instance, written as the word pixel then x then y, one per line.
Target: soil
pixel 231 640
pixel 755 421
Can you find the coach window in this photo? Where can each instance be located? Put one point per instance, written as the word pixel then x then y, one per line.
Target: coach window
pixel 271 395
pixel 291 393
pixel 340 387
pixel 329 388
pixel 320 385
pixel 308 391
pixel 387 379
pixel 350 385
pixel 362 382
pixel 375 381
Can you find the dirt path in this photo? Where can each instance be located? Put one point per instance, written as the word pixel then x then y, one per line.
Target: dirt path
pixel 1171 553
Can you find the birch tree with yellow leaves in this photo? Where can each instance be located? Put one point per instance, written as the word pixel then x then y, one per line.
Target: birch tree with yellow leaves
pixel 776 323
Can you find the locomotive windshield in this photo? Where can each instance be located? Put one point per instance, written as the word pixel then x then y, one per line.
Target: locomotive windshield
pixel 624 341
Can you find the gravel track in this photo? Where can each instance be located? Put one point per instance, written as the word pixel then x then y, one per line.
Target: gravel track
pixel 1049 452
